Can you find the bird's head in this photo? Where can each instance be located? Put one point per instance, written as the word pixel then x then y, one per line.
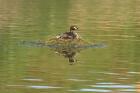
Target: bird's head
pixel 73 28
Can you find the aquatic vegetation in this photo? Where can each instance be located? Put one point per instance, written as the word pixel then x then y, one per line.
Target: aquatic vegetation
pixel 68 48
pixel 67 42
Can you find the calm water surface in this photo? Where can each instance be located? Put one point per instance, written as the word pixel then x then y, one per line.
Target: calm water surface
pixel 33 69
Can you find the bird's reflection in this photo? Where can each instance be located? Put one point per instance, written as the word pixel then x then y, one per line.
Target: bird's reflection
pixel 67 48
pixel 70 55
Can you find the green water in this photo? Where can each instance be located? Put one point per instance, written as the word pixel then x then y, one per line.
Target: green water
pixel 32 69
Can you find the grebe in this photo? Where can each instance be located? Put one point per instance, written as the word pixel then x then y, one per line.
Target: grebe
pixel 71 34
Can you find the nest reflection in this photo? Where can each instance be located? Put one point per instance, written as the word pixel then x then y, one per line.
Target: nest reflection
pixel 67 48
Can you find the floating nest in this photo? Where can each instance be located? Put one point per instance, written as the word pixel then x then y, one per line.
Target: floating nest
pixel 66 42
pixel 69 45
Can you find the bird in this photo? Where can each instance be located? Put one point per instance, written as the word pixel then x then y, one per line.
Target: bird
pixel 71 34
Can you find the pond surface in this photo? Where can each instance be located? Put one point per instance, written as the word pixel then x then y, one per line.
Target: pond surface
pixel 29 68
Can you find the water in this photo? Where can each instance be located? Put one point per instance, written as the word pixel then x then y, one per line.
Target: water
pixel 37 69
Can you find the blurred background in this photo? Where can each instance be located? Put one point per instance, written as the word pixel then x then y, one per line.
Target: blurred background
pixel 30 69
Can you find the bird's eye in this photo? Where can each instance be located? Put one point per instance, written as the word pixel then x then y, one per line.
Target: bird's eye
pixel 75 28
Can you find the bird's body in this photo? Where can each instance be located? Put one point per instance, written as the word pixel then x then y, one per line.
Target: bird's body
pixel 69 35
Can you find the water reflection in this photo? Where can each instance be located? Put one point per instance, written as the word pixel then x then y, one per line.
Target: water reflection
pixel 77 80
pixel 115 22
pixel 32 79
pixel 66 48
pixel 100 87
pixel 69 48
pixel 113 86
pixel 108 87
pixel 42 87
pixel 95 90
pixel 34 86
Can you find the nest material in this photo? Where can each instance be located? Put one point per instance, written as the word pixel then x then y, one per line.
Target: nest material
pixel 66 42
pixel 66 45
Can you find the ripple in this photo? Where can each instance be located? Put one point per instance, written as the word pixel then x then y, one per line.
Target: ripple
pixel 113 86
pixel 126 36
pixel 123 78
pixel 136 40
pixel 78 80
pixel 72 90
pixel 32 79
pixel 128 90
pixel 34 86
pixel 132 72
pixel 109 73
pixel 107 83
pixel 16 85
pixel 42 87
pixel 94 90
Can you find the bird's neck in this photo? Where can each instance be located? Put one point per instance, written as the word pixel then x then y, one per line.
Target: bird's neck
pixel 71 31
